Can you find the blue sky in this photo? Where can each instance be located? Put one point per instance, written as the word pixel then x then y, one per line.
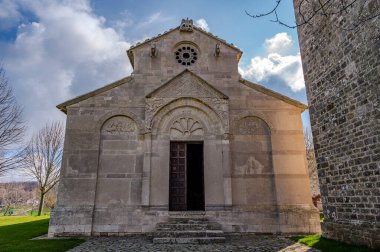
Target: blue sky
pixel 55 50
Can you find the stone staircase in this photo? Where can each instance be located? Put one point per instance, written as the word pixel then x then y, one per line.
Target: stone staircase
pixel 188 227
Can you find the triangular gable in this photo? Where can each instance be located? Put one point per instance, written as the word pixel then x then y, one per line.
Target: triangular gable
pixel 63 106
pixel 130 50
pixel 177 28
pixel 186 84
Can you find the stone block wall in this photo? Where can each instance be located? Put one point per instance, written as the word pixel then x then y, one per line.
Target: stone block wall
pixel 115 165
pixel 341 64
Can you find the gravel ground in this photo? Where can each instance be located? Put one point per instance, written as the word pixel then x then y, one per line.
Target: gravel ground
pixel 257 243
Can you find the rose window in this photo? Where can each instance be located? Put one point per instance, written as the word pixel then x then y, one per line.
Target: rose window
pixel 186 55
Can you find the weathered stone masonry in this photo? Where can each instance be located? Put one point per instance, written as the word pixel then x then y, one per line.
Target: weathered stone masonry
pixel 125 164
pixel 342 75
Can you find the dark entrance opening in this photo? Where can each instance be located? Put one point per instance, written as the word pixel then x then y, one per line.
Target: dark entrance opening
pixel 195 195
pixel 186 186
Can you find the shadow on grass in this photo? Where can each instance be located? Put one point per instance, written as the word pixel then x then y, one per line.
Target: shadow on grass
pixel 327 245
pixel 17 238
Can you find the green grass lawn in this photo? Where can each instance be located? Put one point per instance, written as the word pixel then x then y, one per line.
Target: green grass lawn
pixel 326 245
pixel 16 232
pixel 24 210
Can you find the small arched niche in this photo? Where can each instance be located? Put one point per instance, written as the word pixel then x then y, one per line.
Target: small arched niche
pixel 118 159
pixel 253 148
pixel 253 177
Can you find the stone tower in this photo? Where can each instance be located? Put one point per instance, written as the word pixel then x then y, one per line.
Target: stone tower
pixel 341 64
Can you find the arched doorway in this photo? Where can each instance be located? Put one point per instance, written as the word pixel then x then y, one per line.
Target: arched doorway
pixel 186 180
pixel 187 158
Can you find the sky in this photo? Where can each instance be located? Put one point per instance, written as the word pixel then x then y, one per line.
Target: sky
pixel 54 50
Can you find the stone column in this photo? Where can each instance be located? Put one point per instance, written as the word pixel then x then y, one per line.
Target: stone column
pixel 145 192
pixel 227 170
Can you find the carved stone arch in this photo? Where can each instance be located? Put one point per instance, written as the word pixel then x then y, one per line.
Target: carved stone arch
pixel 176 113
pixel 252 125
pixel 243 114
pixel 187 103
pixel 120 112
pixel 253 146
pixel 186 42
pixel 216 158
pixel 210 124
pixel 119 125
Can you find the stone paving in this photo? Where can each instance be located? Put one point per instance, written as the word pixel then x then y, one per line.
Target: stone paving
pixel 257 243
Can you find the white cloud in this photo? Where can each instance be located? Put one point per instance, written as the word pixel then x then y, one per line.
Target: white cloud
pixel 151 19
pixel 124 23
pixel 9 13
pixel 8 9
pixel 66 52
pixel 201 23
pixel 154 19
pixel 275 66
pixel 281 43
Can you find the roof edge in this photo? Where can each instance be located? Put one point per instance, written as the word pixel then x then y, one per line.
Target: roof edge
pixel 130 54
pixel 231 45
pixel 177 28
pixel 272 93
pixel 63 106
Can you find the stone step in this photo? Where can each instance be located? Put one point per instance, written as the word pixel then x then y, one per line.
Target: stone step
pixel 188 226
pixel 188 240
pixel 189 233
pixel 188 220
pixel 187 213
pixel 194 216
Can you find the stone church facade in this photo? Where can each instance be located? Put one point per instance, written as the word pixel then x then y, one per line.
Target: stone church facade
pixel 184 132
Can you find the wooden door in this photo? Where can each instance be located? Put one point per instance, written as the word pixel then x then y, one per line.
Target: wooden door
pixel 177 179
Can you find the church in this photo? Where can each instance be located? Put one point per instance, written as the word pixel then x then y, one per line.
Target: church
pixel 183 134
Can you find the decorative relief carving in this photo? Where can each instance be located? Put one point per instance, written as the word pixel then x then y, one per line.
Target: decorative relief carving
pixel 252 166
pixel 185 127
pixel 219 104
pixel 119 125
pixel 152 106
pixel 252 126
pixel 257 151
pixel 217 50
pixel 153 50
pixel 186 25
pixel 188 86
pixel 221 108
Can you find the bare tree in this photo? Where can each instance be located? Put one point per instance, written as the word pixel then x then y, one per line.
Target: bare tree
pixel 16 194
pixel 364 11
pixel 12 126
pixel 8 196
pixel 43 156
pixel 51 198
pixel 312 166
pixel 310 156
